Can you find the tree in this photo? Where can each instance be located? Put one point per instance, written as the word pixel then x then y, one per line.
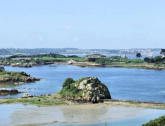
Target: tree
pixel 162 52
pixel 138 55
pixel 147 59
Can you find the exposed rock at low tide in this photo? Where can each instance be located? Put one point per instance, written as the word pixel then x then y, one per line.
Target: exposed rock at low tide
pixel 4 92
pixel 26 79
pixel 89 89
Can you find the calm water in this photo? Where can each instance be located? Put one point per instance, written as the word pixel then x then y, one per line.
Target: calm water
pixel 123 83
pixel 9 117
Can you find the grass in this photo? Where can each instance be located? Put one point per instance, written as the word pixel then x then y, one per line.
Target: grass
pixel 52 59
pixel 38 100
pixel 12 75
pixel 69 89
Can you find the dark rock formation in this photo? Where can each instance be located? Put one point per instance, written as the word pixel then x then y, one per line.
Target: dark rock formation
pixel 25 79
pixel 8 92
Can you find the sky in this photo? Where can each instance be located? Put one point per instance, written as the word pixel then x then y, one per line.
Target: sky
pixel 86 24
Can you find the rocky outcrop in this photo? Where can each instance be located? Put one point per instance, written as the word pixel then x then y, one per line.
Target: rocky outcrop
pixel 18 77
pixel 93 89
pixel 89 89
pixel 26 79
pixel 4 92
pixel 22 65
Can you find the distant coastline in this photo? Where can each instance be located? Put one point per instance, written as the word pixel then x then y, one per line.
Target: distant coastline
pixel 93 60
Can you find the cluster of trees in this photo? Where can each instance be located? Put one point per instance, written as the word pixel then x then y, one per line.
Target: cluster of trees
pixel 157 59
pixel 162 52
pixel 106 60
pixel 138 55
pixel 38 56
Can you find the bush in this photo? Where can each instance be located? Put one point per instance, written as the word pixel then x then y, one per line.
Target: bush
pixel 148 60
pixel 92 59
pixel 69 89
pixel 157 122
pixel 157 59
pixel 68 82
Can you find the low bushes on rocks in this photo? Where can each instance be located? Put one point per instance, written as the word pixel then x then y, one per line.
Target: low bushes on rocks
pixel 89 89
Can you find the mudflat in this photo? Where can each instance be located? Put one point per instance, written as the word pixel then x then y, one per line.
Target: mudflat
pixel 22 115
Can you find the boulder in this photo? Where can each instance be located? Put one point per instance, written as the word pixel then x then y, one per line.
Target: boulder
pixel 4 92
pixel 89 89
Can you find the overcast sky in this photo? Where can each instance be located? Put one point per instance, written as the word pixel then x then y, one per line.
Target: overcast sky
pixel 82 24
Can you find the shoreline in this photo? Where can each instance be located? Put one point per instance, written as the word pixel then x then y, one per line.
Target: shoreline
pixel 25 115
pixel 93 64
pixel 90 64
pixel 55 100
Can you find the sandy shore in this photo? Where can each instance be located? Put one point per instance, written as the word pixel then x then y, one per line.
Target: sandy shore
pixel 69 114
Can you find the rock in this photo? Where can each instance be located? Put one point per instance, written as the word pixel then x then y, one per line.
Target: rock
pixel 4 92
pixel 16 77
pixel 71 62
pixel 21 65
pixel 89 89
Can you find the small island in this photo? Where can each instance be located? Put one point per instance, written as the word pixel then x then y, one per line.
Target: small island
pixel 15 77
pixel 4 92
pixel 88 89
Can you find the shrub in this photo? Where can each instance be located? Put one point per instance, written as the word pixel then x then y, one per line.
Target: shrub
pixel 148 60
pixel 68 82
pixel 157 122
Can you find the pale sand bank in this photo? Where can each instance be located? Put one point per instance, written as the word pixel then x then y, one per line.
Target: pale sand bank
pixel 71 114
